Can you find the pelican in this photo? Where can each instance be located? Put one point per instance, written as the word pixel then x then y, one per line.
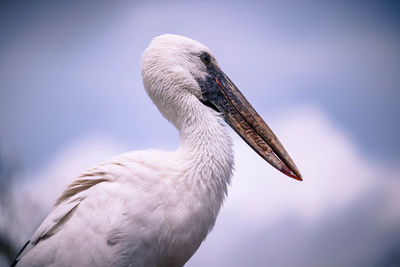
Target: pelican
pixel 155 208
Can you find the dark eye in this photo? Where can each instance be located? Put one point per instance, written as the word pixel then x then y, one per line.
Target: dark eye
pixel 205 57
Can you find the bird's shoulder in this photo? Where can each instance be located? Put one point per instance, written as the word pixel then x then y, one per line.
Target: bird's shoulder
pixel 104 179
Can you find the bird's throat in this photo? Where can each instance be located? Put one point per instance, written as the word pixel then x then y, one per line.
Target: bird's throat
pixel 206 147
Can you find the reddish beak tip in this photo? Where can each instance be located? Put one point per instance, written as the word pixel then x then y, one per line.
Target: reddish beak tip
pixel 291 174
pixel 294 176
pixel 297 178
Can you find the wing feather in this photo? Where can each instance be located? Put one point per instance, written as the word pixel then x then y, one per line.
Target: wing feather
pixel 64 208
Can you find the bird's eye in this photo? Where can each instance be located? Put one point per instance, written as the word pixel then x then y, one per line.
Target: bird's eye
pixel 205 57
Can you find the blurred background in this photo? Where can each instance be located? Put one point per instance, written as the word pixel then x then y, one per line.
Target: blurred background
pixel 324 75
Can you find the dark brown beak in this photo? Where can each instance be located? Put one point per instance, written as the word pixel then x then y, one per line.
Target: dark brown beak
pixel 224 96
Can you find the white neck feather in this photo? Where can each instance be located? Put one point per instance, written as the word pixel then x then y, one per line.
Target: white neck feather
pixel 206 148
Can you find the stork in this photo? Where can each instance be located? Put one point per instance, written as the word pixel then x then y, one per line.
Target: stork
pixel 154 208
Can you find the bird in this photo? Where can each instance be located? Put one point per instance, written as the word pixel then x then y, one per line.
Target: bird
pixel 151 207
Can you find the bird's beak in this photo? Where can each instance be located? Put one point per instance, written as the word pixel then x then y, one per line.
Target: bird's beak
pixel 223 95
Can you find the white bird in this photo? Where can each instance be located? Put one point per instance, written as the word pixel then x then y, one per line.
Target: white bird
pixel 154 208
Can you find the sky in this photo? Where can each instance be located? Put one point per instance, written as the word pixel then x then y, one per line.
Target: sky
pixel 324 75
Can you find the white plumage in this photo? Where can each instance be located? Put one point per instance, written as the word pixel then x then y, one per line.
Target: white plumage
pixel 147 208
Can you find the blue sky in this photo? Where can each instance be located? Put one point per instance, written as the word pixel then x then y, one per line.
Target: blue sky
pixel 70 71
pixel 71 59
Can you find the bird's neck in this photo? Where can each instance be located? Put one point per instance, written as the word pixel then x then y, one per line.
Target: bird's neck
pixel 206 150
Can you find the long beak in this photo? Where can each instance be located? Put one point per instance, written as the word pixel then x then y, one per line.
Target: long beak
pixel 242 117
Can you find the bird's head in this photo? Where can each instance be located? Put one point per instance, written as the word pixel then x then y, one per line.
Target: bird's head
pixel 176 68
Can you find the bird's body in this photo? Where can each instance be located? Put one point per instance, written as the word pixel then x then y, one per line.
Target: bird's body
pixel 147 208
pixel 140 208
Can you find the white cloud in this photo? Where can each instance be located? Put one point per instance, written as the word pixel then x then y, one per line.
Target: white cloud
pixel 336 179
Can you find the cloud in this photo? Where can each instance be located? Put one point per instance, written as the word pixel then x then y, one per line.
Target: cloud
pixel 343 214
